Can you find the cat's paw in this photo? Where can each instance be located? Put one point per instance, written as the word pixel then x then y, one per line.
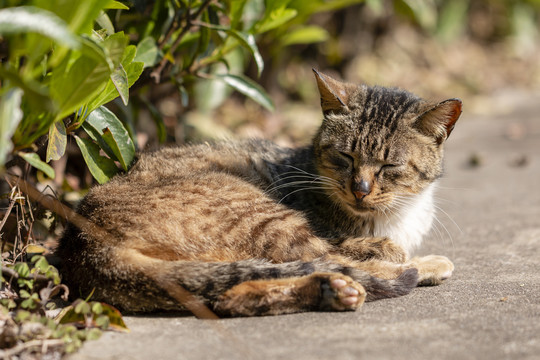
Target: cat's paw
pixel 432 269
pixel 340 293
pixel 379 248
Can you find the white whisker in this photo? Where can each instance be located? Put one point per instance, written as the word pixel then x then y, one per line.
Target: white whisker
pixel 295 191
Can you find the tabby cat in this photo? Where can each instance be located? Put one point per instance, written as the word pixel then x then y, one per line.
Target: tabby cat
pixel 252 228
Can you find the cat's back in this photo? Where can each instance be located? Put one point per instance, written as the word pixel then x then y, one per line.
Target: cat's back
pixel 240 158
pixel 173 198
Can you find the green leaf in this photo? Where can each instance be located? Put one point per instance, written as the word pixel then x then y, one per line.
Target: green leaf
pixel 65 316
pixel 103 322
pixel 147 52
pixel 34 160
pixel 129 55
pixel 249 88
pixel 22 315
pixel 115 318
pixel 77 81
pixel 307 8
pixel 23 19
pixel 29 304
pixel 116 148
pixel 452 20
pixel 112 4
pixel 423 12
pixel 237 10
pixel 133 70
pixel 97 136
pixel 93 334
pixel 113 133
pixel 10 116
pixel 305 35
pixel 22 269
pixel 82 307
pixel 275 19
pixel 105 22
pixel 248 41
pixel 120 80
pixel 57 141
pixel 114 46
pixel 93 49
pixel 97 308
pixel 79 15
pixel 109 317
pixel 101 168
pixel 35 93
pixel 41 263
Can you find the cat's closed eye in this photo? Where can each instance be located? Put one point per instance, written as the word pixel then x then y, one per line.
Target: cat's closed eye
pixel 340 160
pixel 389 171
pixel 387 167
pixel 346 156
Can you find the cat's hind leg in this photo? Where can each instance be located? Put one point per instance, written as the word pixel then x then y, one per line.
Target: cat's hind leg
pixel 315 292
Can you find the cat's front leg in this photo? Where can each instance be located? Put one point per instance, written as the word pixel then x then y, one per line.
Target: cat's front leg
pixel 372 248
pixel 432 269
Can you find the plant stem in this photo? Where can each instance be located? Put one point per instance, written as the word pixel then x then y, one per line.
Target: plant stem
pixel 156 74
pixel 6 354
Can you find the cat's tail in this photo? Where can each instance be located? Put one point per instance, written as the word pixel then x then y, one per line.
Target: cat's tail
pixel 381 289
pixel 208 280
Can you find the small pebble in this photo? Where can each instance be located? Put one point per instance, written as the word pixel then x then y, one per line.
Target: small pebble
pixel 475 160
pixel 520 161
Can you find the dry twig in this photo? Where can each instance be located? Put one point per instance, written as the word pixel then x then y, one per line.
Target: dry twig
pixel 42 345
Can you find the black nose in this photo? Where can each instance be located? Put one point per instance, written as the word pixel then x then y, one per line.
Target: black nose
pixel 361 189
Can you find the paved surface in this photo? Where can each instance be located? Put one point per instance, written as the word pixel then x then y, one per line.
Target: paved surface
pixel 489 309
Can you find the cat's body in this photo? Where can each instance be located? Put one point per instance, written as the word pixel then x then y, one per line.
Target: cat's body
pixel 252 228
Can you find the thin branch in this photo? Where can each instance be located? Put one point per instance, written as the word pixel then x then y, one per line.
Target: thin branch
pixel 172 29
pixel 156 74
pixel 8 211
pixel 13 275
pixel 37 344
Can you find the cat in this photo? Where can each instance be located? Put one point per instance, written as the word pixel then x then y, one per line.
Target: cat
pixel 252 228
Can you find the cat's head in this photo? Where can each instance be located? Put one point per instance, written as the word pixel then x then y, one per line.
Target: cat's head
pixel 380 145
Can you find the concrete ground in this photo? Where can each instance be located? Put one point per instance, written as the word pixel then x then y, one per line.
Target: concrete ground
pixel 489 309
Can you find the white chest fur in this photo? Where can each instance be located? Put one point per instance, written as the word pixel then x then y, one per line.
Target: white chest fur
pixel 410 223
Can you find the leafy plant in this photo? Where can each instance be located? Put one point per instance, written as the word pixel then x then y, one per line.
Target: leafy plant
pixel 78 63
pixel 71 71
pixel 29 289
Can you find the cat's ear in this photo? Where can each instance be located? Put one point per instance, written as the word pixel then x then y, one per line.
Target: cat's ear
pixel 439 120
pixel 334 94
